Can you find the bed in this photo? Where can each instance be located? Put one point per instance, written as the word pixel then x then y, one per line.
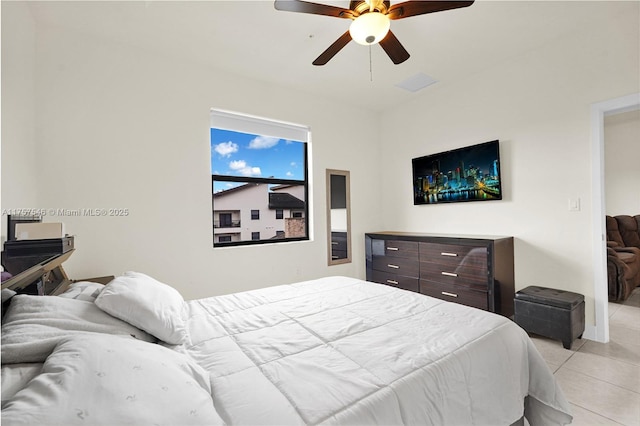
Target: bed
pixel 335 350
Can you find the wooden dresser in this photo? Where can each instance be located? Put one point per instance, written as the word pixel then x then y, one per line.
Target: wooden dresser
pixel 472 270
pixel 338 245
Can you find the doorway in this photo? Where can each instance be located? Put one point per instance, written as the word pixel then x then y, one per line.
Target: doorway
pixel 600 332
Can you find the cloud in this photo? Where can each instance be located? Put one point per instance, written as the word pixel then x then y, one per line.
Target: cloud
pixel 237 165
pixel 289 174
pixel 263 142
pixel 225 149
pixel 241 167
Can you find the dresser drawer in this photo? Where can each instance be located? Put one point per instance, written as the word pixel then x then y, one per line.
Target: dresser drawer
pixel 454 293
pixel 478 281
pixel 454 255
pixel 339 241
pixel 406 283
pixel 338 254
pixel 395 248
pixel 396 265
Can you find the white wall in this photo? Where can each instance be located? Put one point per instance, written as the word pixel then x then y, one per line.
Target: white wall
pixel 538 106
pixel 622 171
pixel 119 127
pixel 20 160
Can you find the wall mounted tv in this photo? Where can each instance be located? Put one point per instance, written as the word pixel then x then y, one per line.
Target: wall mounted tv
pixel 471 173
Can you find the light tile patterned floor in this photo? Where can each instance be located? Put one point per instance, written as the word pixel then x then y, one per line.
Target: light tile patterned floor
pixel 602 380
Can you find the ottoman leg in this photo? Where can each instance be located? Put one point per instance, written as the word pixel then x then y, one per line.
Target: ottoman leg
pixel 566 344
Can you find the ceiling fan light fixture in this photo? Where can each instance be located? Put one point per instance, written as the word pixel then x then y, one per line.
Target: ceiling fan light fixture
pixel 369 28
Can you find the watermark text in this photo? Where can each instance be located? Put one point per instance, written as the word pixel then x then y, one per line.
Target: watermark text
pixel 63 212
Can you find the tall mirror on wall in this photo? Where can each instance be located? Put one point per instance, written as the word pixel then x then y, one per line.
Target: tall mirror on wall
pixel 338 217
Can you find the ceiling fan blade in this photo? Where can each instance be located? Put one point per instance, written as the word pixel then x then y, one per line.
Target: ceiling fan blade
pixel 394 48
pixel 313 8
pixel 413 8
pixel 333 49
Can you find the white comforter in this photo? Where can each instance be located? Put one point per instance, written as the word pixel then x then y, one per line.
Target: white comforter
pixel 341 350
pixel 96 370
pixel 329 351
pixel 100 379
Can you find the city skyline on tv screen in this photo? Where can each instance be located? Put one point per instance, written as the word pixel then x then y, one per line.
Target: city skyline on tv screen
pixel 466 174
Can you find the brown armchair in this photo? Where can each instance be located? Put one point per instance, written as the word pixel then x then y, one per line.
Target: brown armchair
pixel 623 255
pixel 629 227
pixel 619 275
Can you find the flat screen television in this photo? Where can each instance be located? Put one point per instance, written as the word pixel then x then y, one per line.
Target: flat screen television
pixel 471 173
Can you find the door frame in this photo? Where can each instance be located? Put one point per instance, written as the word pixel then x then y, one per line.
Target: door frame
pixel 600 332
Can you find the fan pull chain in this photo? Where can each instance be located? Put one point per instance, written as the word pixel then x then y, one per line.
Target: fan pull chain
pixel 370 66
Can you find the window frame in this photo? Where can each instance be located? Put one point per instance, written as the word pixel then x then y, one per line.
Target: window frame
pixel 305 214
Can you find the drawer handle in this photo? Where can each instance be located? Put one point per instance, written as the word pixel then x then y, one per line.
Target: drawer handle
pixel 393 248
pixel 446 293
pixel 393 266
pixel 335 243
pixel 392 282
pixel 449 274
pixel 444 253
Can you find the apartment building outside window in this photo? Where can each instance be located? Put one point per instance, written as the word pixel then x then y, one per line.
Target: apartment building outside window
pixel 259 176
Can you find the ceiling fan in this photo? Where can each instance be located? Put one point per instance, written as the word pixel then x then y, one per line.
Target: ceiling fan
pixel 371 22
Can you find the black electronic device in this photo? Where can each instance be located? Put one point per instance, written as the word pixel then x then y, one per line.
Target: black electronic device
pixel 471 173
pixel 20 255
pixel 45 278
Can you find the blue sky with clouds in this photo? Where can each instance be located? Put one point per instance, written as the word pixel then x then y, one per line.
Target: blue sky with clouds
pixel 243 154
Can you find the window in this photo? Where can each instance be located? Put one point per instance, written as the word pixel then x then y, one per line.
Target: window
pixel 258 164
pixel 225 220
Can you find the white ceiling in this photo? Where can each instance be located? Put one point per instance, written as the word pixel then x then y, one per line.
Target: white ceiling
pixel 252 39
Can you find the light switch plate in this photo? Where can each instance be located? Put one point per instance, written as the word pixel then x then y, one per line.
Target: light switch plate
pixel 574 204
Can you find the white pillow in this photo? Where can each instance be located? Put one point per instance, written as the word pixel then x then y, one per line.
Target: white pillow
pixel 146 303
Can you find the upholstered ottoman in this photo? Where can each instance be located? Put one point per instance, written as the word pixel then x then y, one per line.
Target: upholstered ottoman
pixel 552 313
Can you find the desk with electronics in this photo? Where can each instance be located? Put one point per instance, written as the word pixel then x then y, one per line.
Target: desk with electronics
pixel 35 264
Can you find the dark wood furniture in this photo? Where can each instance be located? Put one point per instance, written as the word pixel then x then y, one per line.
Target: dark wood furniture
pixel 338 245
pixel 472 270
pixel 45 278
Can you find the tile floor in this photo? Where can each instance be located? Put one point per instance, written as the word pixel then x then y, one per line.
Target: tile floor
pixel 602 380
